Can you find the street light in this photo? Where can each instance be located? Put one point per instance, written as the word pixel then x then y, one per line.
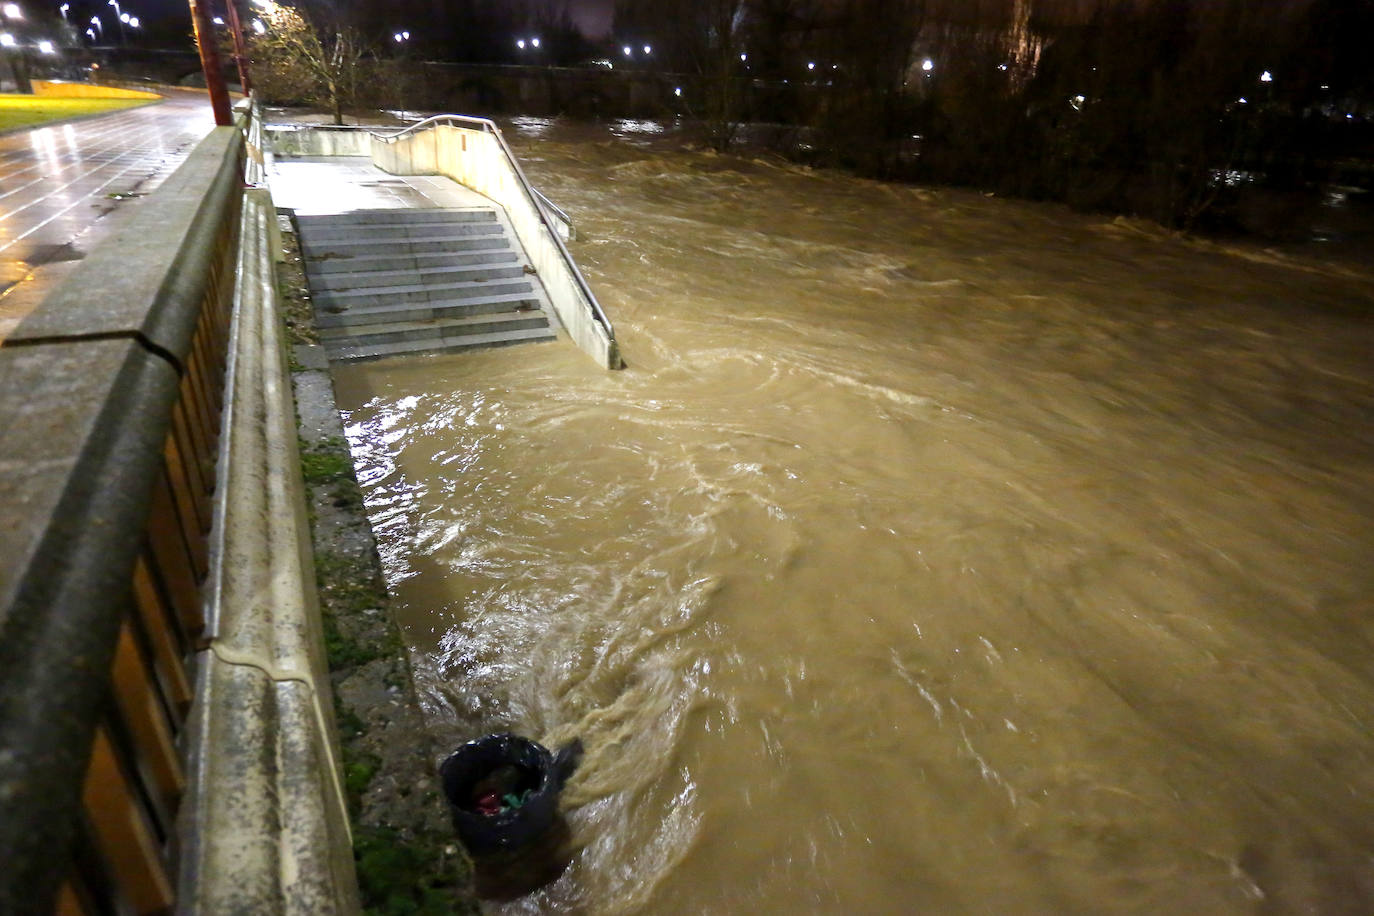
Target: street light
pixel 648 50
pixel 12 11
pixel 259 26
pixel 45 47
pixel 120 15
pixel 63 9
pixel 7 40
pixel 95 21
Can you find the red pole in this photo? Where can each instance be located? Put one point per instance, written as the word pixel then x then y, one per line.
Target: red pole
pixel 209 62
pixel 240 52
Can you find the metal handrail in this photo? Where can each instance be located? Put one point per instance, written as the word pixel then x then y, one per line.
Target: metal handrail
pixel 534 196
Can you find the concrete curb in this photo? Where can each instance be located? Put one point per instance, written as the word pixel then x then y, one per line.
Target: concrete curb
pixel 266 827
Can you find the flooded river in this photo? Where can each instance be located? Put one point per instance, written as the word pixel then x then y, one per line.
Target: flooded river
pixel 936 553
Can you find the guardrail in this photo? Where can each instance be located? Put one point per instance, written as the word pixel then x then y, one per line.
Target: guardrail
pixel 349 141
pixel 110 407
pixel 535 198
pixel 112 396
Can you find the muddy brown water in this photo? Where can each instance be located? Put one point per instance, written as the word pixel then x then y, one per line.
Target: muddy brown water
pixel 935 554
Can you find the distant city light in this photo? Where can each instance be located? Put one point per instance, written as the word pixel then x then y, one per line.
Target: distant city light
pixel 133 22
pixel 648 49
pixel 91 34
pixel 217 21
pixel 124 18
pixel 744 57
pixel 927 65
pixel 535 42
pixel 1242 101
pixel 677 91
pixel 1266 77
pixel 520 43
pixel 627 50
pixel 1001 66
pixel 811 65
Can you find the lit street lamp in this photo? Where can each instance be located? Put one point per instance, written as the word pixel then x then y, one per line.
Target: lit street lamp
pixel 119 15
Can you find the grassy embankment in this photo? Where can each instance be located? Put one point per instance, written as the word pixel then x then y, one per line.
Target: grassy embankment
pixel 29 110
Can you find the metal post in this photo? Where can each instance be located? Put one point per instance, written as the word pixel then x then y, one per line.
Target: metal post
pixel 240 50
pixel 209 63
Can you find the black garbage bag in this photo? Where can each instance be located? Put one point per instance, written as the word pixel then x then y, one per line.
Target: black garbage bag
pixel 503 790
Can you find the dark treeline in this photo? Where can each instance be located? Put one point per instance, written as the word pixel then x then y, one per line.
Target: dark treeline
pixel 1156 107
pixel 1170 109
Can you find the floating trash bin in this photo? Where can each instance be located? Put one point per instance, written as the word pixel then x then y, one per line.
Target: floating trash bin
pixel 503 790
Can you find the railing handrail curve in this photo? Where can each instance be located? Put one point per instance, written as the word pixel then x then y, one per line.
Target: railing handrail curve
pixel 534 196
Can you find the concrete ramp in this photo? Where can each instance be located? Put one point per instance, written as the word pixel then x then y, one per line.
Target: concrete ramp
pixel 392 282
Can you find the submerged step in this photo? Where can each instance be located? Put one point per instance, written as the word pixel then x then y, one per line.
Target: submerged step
pixel 422 292
pixel 395 282
pixel 417 347
pixel 398 232
pixel 397 216
pixel 337 316
pixel 436 329
pixel 342 282
pixel 365 263
pixel 493 238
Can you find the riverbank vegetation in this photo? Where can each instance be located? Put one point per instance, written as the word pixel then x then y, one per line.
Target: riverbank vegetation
pixel 1196 115
pixel 1166 109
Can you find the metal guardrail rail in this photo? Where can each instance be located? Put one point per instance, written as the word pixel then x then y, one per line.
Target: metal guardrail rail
pixel 541 204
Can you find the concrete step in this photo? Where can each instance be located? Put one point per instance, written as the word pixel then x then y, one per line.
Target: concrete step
pixel 435 328
pixel 400 232
pixel 361 263
pixel 378 279
pixel 396 217
pixel 331 316
pixel 422 292
pixel 489 240
pixel 417 347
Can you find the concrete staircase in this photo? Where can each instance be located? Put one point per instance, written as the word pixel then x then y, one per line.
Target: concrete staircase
pixel 395 282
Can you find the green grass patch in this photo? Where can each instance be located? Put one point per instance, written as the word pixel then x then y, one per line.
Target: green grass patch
pixel 408 876
pixel 28 110
pixel 326 461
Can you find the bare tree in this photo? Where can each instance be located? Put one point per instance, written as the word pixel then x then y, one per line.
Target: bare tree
pixel 309 56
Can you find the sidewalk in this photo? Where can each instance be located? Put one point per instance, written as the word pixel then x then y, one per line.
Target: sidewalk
pixel 64 187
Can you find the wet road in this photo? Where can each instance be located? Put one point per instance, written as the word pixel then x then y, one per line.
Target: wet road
pixel 62 188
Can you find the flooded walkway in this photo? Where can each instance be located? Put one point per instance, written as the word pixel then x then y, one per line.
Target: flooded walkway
pixel 63 187
pixel 935 553
pixel 323 185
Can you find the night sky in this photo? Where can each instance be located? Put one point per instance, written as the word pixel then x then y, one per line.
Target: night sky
pixel 592 16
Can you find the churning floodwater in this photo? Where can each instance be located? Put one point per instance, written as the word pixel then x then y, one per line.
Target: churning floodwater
pixel 936 553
